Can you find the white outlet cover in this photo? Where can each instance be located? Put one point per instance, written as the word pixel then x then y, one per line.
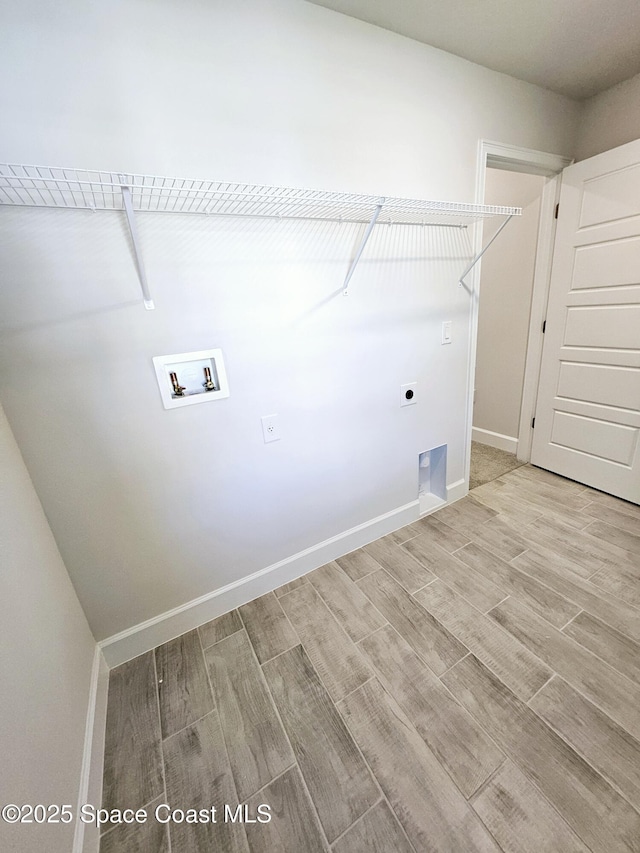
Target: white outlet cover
pixel 270 428
pixel 189 368
pixel 408 394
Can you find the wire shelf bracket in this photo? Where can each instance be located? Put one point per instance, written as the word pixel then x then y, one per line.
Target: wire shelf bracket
pixel 475 260
pixel 127 204
pixel 367 234
pixel 85 189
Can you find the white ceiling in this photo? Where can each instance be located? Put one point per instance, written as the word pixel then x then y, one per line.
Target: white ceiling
pixel 576 47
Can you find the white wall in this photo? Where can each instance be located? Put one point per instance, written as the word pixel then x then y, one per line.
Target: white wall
pixel 610 119
pixel 153 508
pixel 45 664
pixel 504 308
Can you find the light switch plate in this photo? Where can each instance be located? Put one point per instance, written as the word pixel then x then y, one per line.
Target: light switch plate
pixel 446 332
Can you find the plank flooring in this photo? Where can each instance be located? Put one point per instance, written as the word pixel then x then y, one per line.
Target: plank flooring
pixel 431 809
pixel 198 775
pixel 499 538
pixel 377 832
pixel 604 744
pixel 451 733
pixel 335 657
pixel 353 610
pixel 513 663
pixel 183 686
pixel 520 818
pixel 340 784
pixel 269 629
pixel 480 591
pixel 613 647
pixel 133 760
pixel 596 812
pixel 615 518
pixel 610 609
pixel 540 598
pixel 470 682
pixel 442 534
pixel 219 628
pixel 426 636
pixel 295 824
pixel 257 746
pixel 358 564
pixel 289 587
pixel 620 580
pixel 148 837
pixel 409 572
pixel 581 668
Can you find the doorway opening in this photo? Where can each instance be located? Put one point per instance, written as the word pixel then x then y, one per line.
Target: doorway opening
pixel 504 314
pixel 508 308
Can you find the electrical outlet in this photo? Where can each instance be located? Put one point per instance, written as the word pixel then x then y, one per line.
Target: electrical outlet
pixel 270 428
pixel 408 394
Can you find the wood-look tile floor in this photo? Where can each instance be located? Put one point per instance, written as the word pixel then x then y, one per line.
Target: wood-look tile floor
pixel 468 683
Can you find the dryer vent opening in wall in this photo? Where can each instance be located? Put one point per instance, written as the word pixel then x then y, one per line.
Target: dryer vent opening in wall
pixel 432 478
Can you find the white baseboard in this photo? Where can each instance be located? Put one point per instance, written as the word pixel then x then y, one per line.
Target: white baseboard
pixel 456 491
pixel 160 629
pixel 87 836
pixel 495 439
pixel 430 503
pixel 147 635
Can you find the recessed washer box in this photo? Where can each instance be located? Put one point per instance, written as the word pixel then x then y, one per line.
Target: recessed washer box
pixel 191 377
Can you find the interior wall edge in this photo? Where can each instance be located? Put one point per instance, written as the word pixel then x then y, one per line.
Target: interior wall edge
pixel 609 119
pixel 456 491
pixel 87 836
pixel 49 666
pixel 166 626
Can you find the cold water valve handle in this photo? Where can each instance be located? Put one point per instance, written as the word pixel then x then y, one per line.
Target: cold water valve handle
pixel 178 389
pixel 208 382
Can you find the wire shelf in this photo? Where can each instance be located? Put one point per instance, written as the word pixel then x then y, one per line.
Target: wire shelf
pixel 83 189
pixel 52 186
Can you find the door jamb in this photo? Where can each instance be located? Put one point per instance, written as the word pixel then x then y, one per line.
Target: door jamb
pixel 513 158
pixel 538 314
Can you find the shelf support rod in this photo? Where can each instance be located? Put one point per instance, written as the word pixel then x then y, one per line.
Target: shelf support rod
pixel 133 230
pixel 480 254
pixel 367 234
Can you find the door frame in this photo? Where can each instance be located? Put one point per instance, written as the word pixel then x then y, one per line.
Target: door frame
pixel 515 159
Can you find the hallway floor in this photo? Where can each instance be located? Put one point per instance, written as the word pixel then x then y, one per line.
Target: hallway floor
pixel 468 683
pixel 489 463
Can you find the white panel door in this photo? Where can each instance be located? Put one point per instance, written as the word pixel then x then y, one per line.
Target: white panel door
pixel 587 423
